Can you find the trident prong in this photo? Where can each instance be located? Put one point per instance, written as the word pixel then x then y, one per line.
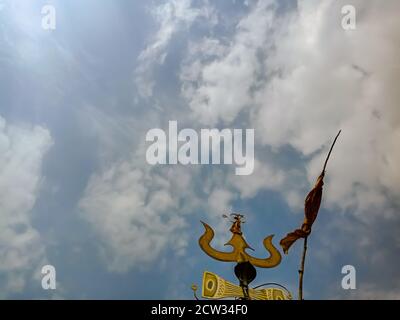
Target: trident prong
pixel 239 245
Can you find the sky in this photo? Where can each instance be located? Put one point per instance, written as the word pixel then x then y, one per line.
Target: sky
pixel 76 102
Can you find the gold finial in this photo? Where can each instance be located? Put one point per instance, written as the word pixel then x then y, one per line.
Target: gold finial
pixel 236 219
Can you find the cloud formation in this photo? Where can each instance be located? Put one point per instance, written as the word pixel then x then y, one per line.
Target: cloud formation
pixel 139 213
pixel 22 149
pixel 300 77
pixel 172 17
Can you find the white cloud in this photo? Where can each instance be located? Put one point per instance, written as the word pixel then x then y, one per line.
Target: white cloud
pixel 21 249
pixel 299 78
pixel 331 79
pixel 264 177
pixel 138 212
pixel 172 16
pixel 219 201
pixel 219 89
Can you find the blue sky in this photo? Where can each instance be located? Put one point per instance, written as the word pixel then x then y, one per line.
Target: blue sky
pixel 76 104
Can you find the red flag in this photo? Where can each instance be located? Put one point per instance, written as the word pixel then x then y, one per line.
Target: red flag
pixel 311 208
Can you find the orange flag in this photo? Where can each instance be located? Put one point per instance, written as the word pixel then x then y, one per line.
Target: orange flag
pixel 311 208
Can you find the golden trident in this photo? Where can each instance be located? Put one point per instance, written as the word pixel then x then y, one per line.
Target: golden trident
pixel 215 287
pixel 239 245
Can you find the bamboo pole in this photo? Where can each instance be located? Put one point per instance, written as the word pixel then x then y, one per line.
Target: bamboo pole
pixel 303 258
pixel 330 151
pixel 301 271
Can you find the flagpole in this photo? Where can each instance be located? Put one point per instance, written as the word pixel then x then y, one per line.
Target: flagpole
pixel 303 258
pixel 301 271
pixel 330 151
